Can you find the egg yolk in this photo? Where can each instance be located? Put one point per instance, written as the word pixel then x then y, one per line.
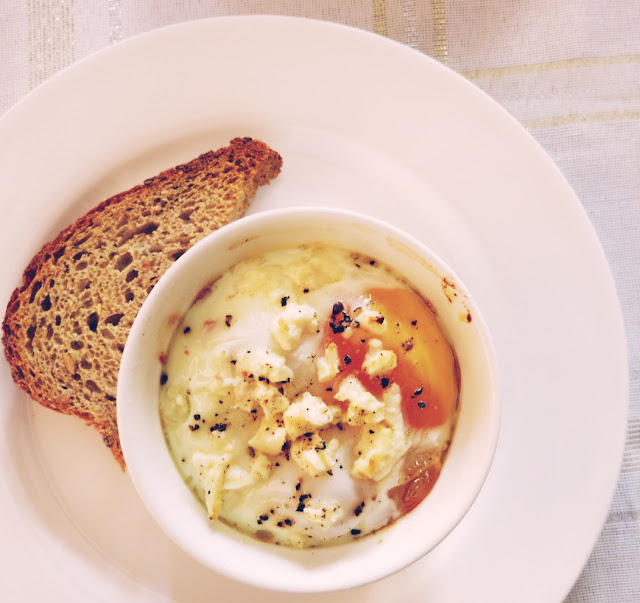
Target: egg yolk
pixel 426 367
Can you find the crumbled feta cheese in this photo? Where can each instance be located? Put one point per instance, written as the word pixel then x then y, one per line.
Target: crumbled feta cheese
pixel 269 438
pixel 313 455
pixel 257 373
pixel 392 399
pixel 323 513
pixel 309 413
pixel 364 408
pixel 212 469
pixel 378 361
pixel 252 392
pixel 270 399
pixel 377 452
pixel 294 320
pixel 260 466
pixel 329 364
pixel 263 363
pixel 372 320
pixel 244 398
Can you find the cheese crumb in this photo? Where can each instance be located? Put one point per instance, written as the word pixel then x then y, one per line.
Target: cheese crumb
pixel 323 513
pixel 263 363
pixel 269 438
pixel 372 320
pixel 244 396
pixel 309 413
pixel 260 466
pixel 294 320
pixel 270 399
pixel 329 364
pixel 212 474
pixel 392 399
pixel 364 408
pixel 378 361
pixel 257 374
pixel 377 452
pixel 313 455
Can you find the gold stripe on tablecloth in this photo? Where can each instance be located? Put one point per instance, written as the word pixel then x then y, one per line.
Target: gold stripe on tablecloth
pixel 440 48
pixel 583 118
pixel 50 38
pixel 380 24
pixel 552 65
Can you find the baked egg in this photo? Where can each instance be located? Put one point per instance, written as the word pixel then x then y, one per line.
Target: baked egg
pixel 309 396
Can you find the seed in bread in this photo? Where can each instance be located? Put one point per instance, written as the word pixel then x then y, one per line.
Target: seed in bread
pixel 65 327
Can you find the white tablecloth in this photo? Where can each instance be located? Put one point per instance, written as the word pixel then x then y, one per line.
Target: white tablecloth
pixel 569 70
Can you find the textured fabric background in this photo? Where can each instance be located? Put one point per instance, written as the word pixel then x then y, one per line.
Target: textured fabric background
pixel 569 70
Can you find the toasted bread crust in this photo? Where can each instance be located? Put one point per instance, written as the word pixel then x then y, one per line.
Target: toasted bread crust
pixel 65 327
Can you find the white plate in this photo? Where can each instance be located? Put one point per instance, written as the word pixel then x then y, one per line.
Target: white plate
pixel 362 123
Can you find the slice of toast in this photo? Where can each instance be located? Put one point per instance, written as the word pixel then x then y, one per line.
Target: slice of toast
pixel 65 327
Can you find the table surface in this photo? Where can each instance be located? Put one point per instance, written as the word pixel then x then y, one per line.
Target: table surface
pixel 568 70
